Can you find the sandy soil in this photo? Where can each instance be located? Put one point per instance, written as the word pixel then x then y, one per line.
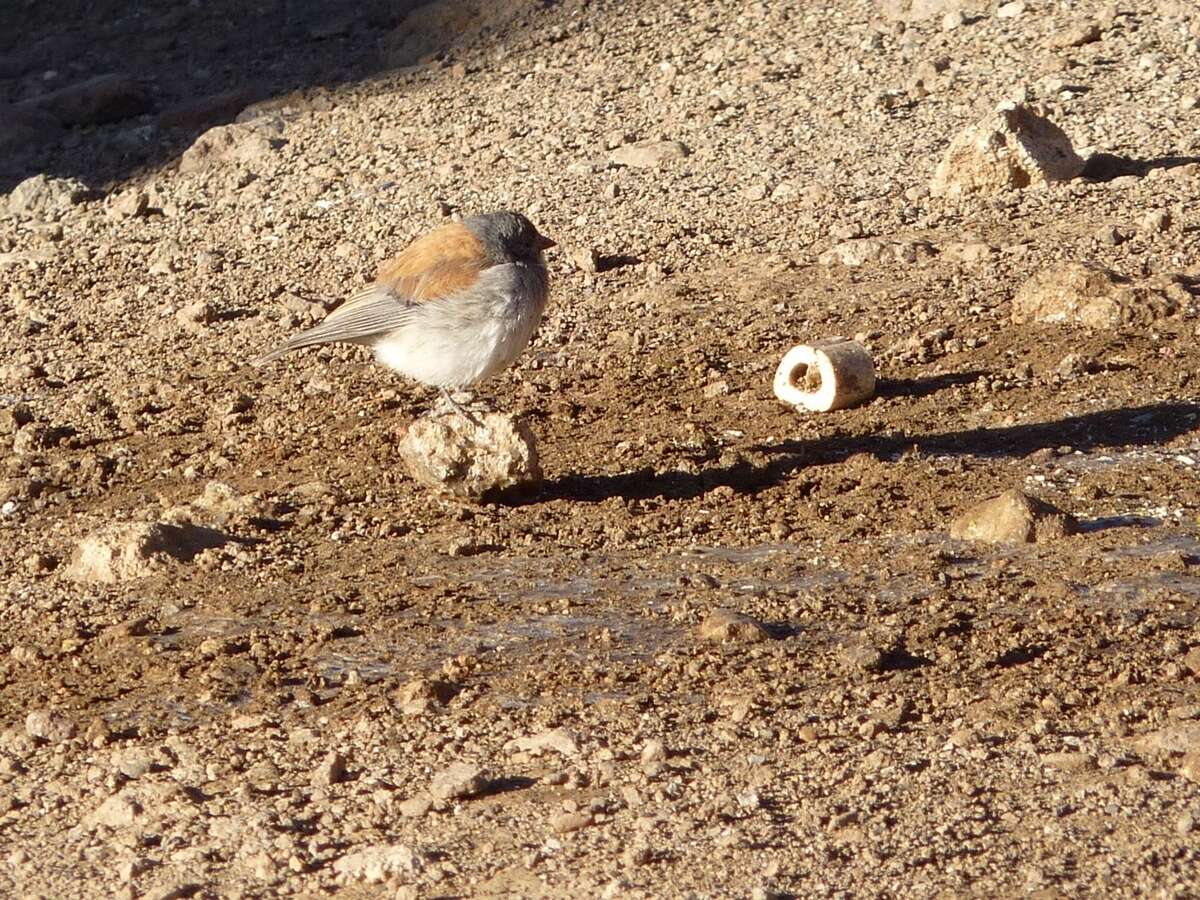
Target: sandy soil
pixel 348 685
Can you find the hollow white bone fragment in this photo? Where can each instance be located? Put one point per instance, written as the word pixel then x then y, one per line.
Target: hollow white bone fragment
pixel 825 375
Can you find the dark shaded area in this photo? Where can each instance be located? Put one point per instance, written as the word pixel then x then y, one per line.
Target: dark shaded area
pixel 186 542
pixel 898 659
pixel 1107 166
pixel 1106 522
pixel 1135 426
pixel 780 631
pixel 608 263
pixel 507 785
pixel 1018 656
pixel 923 387
pixel 173 70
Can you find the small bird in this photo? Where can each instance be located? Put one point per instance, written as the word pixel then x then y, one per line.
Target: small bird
pixel 458 305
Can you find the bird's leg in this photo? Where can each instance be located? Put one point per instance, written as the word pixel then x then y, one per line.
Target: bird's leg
pixel 461 410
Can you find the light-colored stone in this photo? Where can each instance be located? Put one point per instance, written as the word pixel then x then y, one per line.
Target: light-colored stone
pixel 1084 293
pixel 423 694
pixel 1069 761
pixel 128 204
pixel 1013 517
pixel 460 459
pixel 49 725
pixel 726 625
pixel 1011 147
pixel 118 811
pixel 862 654
pixel 221 504
pixel 14 418
pixel 559 740
pixel 918 10
pixel 134 762
pixel 854 253
pixel 586 259
pixel 567 822
pixel 648 154
pixel 332 770
pixel 458 781
pixel 1189 767
pixel 415 807
pixel 42 196
pixel 249 144
pixel 865 251
pixel 1156 221
pixel 1076 35
pixel 378 863
pixel 1181 738
pixel 966 251
pixel 196 316
pixel 128 551
pixel 654 751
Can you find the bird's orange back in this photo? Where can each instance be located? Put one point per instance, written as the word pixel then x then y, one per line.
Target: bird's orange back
pixel 442 262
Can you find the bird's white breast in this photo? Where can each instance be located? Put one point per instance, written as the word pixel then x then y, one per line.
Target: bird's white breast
pixel 462 339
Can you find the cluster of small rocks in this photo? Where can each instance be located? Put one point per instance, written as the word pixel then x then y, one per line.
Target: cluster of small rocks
pixel 248 648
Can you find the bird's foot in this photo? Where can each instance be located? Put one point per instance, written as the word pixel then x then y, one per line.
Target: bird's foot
pixel 455 406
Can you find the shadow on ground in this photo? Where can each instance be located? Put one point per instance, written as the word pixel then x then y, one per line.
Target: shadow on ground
pixel 1136 426
pixel 192 66
pixel 1107 166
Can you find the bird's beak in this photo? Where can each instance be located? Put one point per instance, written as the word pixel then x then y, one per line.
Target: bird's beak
pixel 544 243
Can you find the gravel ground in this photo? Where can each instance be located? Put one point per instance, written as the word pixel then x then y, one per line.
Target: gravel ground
pixel 727 649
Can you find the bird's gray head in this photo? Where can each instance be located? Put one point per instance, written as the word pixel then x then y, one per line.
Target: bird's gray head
pixel 508 236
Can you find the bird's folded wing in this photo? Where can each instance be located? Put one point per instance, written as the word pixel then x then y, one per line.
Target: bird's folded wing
pixel 368 314
pixel 445 262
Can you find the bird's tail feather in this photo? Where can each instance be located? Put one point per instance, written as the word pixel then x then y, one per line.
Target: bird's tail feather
pixel 303 339
pixel 331 331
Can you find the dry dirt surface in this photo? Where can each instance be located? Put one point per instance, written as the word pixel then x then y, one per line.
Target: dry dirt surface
pixel 727 649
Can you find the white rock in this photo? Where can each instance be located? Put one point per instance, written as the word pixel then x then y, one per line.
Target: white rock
pixel 853 253
pixel 249 144
pixel 1085 293
pixel 725 625
pixel 1011 147
pixel 1013 518
pixel 648 154
pixel 43 197
pixel 378 863
pixel 559 740
pixel 49 725
pixel 654 751
pixel 917 10
pixel 460 459
pixel 458 781
pixel 220 504
pixel 118 811
pixel 332 770
pixel 863 251
pixel 130 551
pixel 134 762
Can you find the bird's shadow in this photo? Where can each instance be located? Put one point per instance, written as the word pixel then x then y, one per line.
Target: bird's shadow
pixel 1134 426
